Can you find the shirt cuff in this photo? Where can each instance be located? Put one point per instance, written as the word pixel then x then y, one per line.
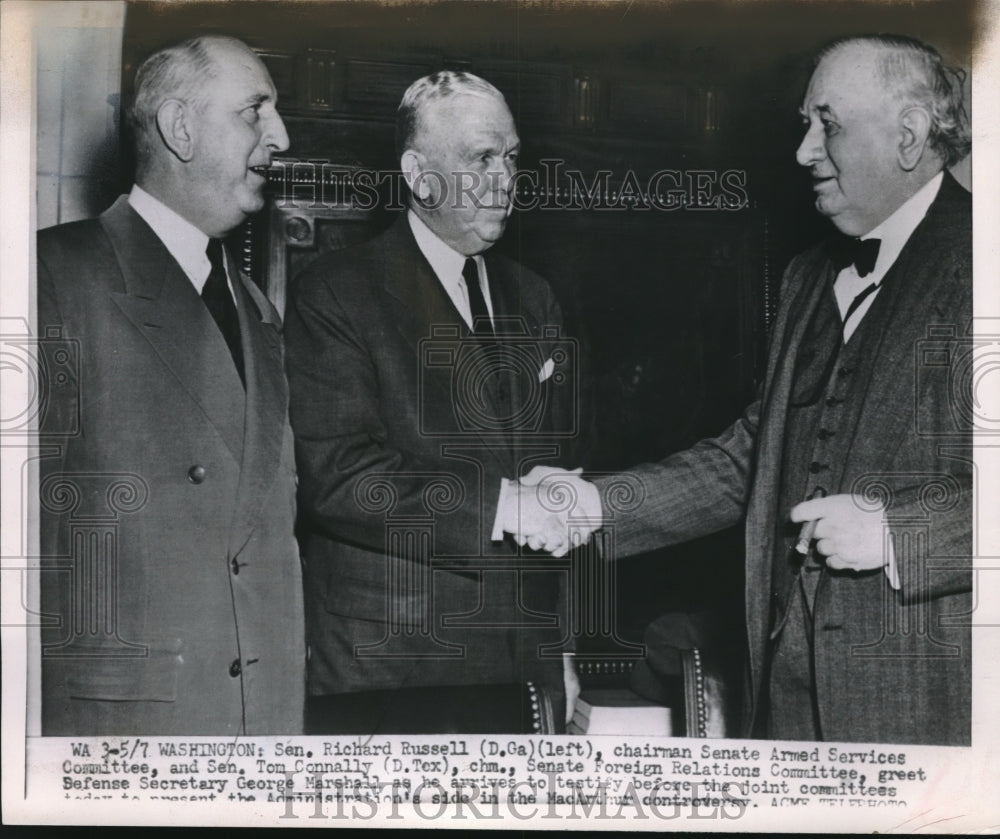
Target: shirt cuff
pixel 891 571
pixel 497 535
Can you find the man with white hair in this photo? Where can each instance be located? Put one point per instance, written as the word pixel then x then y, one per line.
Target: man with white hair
pixel 853 470
pixel 423 374
pixel 171 581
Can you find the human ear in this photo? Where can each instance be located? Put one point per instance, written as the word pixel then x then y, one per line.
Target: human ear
pixel 422 181
pixel 173 123
pixel 411 164
pixel 915 125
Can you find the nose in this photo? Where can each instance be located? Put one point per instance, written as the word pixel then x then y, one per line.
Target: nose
pixel 812 149
pixel 275 137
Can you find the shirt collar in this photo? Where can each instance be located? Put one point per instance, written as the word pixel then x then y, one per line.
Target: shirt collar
pixel 897 229
pixel 446 262
pixel 185 242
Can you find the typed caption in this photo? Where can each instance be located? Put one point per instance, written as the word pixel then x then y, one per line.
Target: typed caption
pixel 468 778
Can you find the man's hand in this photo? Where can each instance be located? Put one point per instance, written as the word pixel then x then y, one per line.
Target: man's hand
pixel 552 509
pixel 851 537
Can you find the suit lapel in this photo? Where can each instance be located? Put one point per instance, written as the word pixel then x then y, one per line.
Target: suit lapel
pixel 525 355
pixel 421 309
pixel 917 286
pixel 420 302
pixel 510 315
pixel 166 310
pixel 763 513
pixel 266 407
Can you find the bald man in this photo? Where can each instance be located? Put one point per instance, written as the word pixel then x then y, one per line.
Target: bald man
pixel 423 372
pixel 853 471
pixel 184 614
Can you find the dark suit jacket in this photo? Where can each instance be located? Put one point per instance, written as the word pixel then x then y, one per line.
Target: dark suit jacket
pixel 393 407
pixel 188 483
pixel 890 666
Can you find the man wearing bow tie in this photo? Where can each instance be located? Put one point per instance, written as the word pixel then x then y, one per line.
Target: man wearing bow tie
pixel 171 581
pixel 853 470
pixel 425 369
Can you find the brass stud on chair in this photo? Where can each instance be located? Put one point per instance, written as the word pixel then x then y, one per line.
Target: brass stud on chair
pixel 536 714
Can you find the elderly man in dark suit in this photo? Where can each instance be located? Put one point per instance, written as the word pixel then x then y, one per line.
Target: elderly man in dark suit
pixel 171 580
pixel 858 624
pixel 424 370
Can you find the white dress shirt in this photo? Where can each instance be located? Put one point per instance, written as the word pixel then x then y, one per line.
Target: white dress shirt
pixel 894 233
pixel 448 264
pixel 186 243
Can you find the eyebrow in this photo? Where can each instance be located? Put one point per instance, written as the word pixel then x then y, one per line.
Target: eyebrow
pixel 475 149
pixel 256 99
pixel 824 110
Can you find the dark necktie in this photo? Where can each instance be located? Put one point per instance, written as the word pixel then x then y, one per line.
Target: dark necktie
pixel 827 341
pixel 219 301
pixel 861 253
pixel 858 300
pixel 481 324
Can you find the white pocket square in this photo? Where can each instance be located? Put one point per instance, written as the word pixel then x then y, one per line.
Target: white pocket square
pixel 547 368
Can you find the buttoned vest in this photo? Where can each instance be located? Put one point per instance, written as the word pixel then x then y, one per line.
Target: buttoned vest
pixel 829 390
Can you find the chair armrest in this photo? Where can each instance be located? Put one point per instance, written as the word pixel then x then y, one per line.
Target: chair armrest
pixel 711 704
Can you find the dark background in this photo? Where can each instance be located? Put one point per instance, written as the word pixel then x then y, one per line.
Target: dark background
pixel 671 308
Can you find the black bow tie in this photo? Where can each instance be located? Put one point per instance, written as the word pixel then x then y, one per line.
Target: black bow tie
pixel 861 253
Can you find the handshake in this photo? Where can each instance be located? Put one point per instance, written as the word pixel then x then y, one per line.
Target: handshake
pixel 550 509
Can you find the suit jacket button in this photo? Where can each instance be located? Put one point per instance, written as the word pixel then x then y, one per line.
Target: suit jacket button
pixel 196 474
pixel 236 566
pixel 234 668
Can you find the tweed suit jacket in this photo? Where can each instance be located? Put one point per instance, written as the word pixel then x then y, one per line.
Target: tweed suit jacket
pixel 204 633
pixel 891 666
pixel 391 406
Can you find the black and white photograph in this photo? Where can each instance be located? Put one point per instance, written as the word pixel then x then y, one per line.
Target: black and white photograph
pixel 500 414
